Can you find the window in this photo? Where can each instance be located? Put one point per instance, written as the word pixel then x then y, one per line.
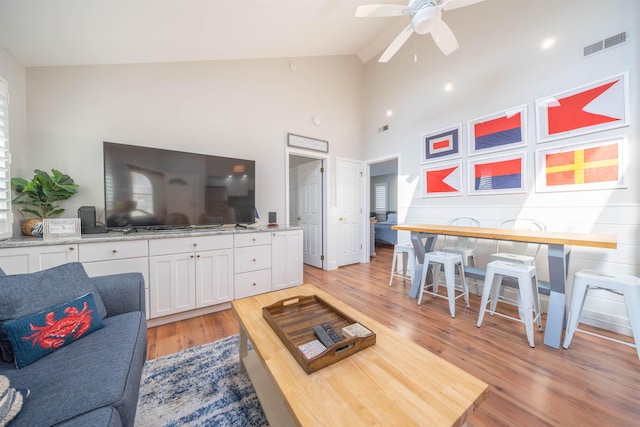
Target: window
pixel 5 176
pixel 381 198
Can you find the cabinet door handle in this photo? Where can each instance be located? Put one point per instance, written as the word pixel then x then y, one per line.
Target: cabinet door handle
pixel 115 251
pixel 191 256
pixel 197 256
pixel 71 248
pixel 195 244
pixel 254 260
pixel 254 284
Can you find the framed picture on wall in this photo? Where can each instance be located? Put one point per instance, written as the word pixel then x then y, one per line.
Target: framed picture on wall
pixel 499 131
pixel 496 175
pixel 442 180
pixel 594 165
pixel 591 108
pixel 441 144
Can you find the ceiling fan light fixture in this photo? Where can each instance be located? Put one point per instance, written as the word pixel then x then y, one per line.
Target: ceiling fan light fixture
pixel 424 20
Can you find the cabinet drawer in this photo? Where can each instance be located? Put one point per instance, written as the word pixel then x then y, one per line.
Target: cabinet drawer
pixel 251 239
pixel 189 244
pixel 252 283
pixel 112 250
pixel 251 259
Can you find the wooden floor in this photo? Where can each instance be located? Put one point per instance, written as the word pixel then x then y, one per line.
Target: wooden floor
pixel 594 383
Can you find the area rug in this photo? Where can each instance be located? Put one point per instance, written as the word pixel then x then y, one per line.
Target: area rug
pixel 200 386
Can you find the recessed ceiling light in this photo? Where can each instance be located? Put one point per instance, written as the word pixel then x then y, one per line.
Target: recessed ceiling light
pixel 389 113
pixel 547 43
pixel 448 87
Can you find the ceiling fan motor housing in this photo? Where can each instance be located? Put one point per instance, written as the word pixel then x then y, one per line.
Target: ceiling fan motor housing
pixel 425 18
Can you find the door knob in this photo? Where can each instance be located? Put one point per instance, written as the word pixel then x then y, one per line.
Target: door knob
pixel 341 218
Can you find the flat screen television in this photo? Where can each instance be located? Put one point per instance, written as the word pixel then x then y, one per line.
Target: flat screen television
pixel 151 188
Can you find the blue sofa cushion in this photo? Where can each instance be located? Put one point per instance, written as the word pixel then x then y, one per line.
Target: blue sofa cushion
pixel 25 294
pixel 37 335
pixel 101 370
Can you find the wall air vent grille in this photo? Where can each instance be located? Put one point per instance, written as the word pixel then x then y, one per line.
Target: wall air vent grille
pixel 607 43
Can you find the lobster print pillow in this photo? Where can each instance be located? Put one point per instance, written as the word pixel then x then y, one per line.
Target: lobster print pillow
pixel 40 334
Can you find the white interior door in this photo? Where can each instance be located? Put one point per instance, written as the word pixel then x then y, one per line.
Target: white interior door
pixel 310 211
pixel 349 203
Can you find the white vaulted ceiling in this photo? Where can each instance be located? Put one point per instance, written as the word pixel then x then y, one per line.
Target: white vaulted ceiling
pixel 80 32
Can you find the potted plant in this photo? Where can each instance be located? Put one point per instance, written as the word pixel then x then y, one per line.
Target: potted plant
pixel 38 197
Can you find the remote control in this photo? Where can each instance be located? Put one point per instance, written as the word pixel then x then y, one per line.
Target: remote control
pixel 331 332
pixel 323 336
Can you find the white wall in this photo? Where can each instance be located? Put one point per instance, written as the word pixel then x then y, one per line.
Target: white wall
pixel 238 109
pixel 499 65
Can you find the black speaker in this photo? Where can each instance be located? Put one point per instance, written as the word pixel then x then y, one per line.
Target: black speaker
pixel 272 218
pixel 87 215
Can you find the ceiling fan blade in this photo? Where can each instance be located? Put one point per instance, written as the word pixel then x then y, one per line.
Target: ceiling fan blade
pixel 444 37
pixel 455 4
pixel 380 10
pixel 396 44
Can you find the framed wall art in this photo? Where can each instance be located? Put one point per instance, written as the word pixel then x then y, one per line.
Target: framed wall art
pixel 496 175
pixel 499 131
pixel 442 180
pixel 587 166
pixel 591 108
pixel 441 144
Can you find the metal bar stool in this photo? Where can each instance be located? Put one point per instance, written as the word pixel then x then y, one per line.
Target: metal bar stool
pixel 450 261
pixel 529 300
pixel 627 286
pixel 408 260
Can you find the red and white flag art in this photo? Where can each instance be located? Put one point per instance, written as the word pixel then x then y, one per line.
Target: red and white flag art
pixel 591 108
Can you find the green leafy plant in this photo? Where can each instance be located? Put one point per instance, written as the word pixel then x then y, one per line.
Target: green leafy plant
pixel 39 195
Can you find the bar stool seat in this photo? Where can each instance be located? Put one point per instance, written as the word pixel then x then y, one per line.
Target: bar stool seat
pixel 408 261
pixel 450 261
pixel 627 286
pixel 528 298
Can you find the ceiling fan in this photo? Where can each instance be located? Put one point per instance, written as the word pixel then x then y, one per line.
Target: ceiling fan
pixel 426 17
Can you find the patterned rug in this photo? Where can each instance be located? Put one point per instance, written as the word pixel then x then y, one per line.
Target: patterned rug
pixel 200 386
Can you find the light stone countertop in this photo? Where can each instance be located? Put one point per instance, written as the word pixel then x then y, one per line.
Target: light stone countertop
pixel 113 236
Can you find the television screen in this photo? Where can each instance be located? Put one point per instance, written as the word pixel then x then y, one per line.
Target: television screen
pixel 155 188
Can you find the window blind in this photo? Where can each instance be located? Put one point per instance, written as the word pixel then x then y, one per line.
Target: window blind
pixel 5 176
pixel 381 198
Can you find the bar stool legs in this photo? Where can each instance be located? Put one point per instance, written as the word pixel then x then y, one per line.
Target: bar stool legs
pixel 628 286
pixel 450 261
pixel 529 300
pixel 408 260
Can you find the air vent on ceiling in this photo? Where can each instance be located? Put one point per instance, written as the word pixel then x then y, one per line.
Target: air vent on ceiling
pixel 607 43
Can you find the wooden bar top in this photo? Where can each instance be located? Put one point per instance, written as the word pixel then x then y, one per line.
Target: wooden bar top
pixel 608 241
pixel 394 382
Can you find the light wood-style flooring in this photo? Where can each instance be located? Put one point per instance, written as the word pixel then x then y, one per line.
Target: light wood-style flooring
pixel 594 383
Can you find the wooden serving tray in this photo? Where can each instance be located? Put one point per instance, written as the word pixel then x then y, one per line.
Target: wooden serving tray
pixel 293 320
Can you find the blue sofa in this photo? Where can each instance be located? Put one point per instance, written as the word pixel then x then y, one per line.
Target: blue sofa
pixel 95 380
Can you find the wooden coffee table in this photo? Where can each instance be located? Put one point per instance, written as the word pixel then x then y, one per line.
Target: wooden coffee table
pixel 394 382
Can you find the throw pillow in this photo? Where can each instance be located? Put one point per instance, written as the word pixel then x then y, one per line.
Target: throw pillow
pixel 24 294
pixel 37 335
pixel 11 400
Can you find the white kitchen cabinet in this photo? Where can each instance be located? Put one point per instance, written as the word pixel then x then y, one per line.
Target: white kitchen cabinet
pixel 29 259
pixel 252 264
pixel 286 259
pixel 104 258
pixel 189 272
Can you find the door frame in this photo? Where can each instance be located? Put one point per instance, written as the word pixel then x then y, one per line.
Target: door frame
pixel 324 158
pixel 367 184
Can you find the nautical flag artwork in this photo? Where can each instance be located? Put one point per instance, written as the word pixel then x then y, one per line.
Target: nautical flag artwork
pixel 500 131
pixel 442 180
pixel 441 144
pixel 497 175
pixel 592 108
pixel 596 165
